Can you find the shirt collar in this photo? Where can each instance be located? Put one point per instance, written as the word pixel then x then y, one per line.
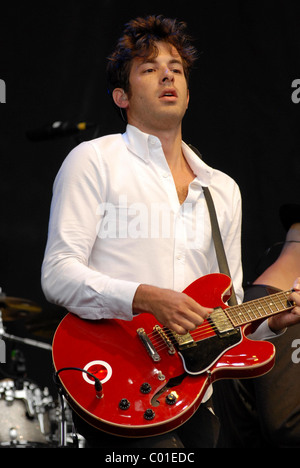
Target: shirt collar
pixel 138 142
pixel 199 167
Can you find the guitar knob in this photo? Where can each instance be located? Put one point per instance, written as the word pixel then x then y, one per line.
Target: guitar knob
pixel 145 387
pixel 124 404
pixel 149 414
pixel 171 399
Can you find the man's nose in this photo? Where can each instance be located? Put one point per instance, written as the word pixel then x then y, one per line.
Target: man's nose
pixel 167 76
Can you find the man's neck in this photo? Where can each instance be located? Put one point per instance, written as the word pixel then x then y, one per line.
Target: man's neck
pixel 171 144
pixel 171 141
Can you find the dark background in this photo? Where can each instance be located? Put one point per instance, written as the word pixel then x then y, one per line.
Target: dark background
pixel 241 116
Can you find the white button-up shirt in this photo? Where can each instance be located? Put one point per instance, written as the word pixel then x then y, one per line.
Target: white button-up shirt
pixel 116 222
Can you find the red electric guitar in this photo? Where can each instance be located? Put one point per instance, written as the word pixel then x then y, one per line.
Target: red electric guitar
pixel 153 380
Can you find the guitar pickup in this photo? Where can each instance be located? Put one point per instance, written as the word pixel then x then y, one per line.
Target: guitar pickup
pixel 221 322
pixel 184 341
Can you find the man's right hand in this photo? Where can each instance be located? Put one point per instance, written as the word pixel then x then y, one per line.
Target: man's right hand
pixel 174 310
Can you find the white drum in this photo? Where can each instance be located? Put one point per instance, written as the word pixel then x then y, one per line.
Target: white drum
pixel 24 415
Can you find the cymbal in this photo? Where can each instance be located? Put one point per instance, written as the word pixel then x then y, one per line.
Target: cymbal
pixel 45 324
pixel 14 308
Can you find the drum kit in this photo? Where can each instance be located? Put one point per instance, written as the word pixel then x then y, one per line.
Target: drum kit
pixel 31 416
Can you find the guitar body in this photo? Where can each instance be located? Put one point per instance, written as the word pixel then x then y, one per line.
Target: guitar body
pixel 143 396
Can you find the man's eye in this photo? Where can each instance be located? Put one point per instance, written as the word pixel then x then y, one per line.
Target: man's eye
pixel 149 70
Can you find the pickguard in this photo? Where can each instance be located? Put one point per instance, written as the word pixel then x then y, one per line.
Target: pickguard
pixel 199 358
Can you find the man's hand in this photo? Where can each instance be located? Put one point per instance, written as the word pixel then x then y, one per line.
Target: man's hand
pixel 172 309
pixel 291 317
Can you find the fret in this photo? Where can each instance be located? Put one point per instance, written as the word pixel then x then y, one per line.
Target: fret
pixel 241 315
pixel 270 304
pixel 248 312
pixel 259 308
pixel 251 312
pixel 283 301
pixel 234 314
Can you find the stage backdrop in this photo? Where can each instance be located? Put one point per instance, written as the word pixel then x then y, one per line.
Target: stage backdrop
pixel 243 116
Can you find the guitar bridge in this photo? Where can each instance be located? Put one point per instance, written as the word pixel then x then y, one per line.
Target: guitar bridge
pixel 165 338
pixel 148 344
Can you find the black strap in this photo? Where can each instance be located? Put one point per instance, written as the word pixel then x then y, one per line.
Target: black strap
pixel 220 252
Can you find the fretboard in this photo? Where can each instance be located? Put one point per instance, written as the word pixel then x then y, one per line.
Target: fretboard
pixel 260 308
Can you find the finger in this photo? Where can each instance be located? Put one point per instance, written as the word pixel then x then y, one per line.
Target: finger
pixel 295 298
pixel 178 329
pixel 296 284
pixel 182 325
pixel 195 320
pixel 199 309
pixel 296 311
pixel 190 322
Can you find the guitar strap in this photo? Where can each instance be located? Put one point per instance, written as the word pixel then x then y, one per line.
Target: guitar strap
pixel 219 247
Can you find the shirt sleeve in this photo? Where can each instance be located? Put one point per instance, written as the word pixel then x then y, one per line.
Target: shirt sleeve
pixel 67 280
pixel 263 332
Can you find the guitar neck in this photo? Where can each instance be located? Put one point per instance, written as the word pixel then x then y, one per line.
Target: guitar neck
pixel 259 308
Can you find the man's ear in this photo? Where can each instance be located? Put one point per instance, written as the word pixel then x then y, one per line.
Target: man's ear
pixel 120 98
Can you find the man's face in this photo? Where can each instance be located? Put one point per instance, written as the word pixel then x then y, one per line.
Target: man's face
pixel 158 96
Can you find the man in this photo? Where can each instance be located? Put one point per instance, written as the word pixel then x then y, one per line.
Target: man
pixel 129 227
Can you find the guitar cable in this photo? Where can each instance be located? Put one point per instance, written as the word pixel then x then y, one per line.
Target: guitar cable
pixel 98 389
pixel 98 384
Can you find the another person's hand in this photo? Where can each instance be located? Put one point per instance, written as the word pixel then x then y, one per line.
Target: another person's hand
pixel 291 317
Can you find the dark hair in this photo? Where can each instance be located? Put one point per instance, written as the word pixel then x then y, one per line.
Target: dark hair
pixel 138 40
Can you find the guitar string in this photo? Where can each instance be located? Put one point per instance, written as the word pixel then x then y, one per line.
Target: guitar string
pixel 206 326
pixel 267 299
pixel 276 300
pixel 200 332
pixel 159 342
pixel 258 306
pixel 250 314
